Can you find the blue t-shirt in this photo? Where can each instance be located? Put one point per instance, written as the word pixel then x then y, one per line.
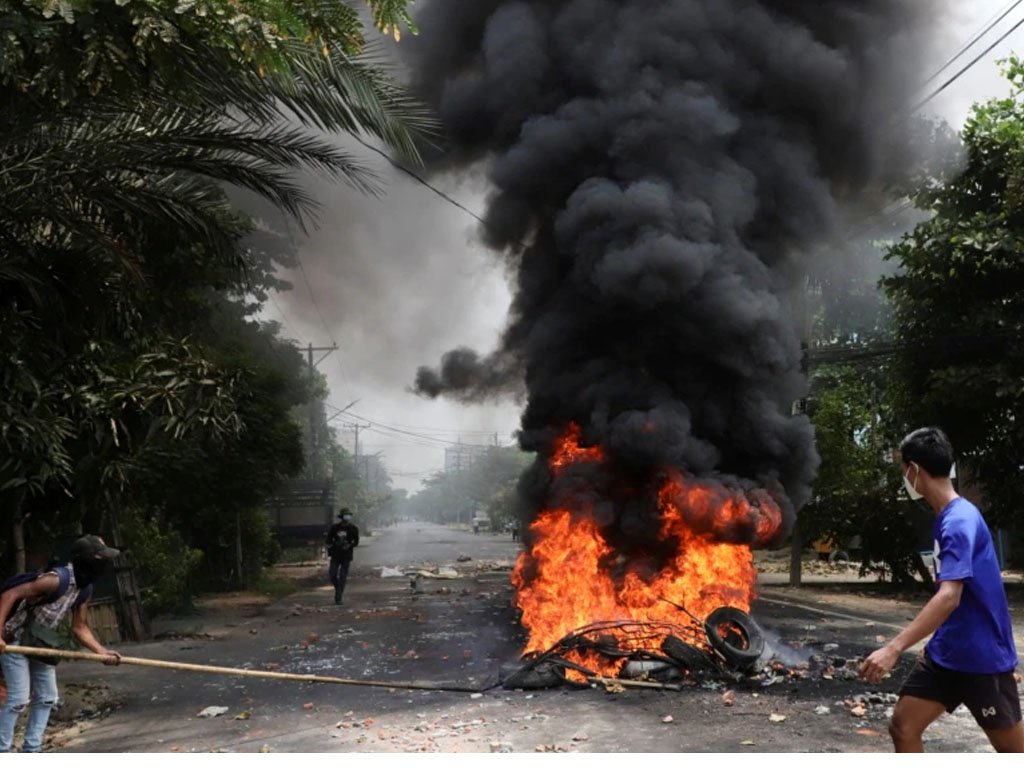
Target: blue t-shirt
pixel 977 637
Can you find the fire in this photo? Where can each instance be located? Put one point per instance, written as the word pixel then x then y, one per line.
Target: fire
pixel 572 576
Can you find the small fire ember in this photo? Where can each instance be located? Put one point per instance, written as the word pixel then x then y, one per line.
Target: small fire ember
pixel 599 609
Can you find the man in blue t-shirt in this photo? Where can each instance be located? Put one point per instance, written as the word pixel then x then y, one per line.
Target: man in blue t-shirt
pixel 971 656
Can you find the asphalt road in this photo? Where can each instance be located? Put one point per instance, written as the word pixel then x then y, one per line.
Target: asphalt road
pixel 460 631
pixel 411 543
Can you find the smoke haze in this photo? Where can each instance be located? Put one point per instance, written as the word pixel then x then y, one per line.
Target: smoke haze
pixel 662 172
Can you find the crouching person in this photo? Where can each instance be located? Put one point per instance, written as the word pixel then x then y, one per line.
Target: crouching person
pixel 32 606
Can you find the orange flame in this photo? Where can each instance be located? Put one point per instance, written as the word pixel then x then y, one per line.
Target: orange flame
pixel 572 577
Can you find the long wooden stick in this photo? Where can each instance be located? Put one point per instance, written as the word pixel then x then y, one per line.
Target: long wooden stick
pixel 635 683
pixel 54 653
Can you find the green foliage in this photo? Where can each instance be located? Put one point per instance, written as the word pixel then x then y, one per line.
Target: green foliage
pixel 857 491
pixel 959 304
pixel 132 376
pixel 165 561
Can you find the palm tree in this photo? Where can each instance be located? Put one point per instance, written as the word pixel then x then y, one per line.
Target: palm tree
pixel 116 141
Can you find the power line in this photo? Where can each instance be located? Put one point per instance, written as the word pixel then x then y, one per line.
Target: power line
pixel 312 298
pixel 427 440
pixel 398 430
pixel 284 317
pixel 412 174
pixel 969 66
pixel 991 24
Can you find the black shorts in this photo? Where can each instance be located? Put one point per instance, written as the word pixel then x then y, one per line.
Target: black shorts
pixel 992 699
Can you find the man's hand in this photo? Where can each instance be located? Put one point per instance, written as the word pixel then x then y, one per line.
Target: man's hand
pixel 113 657
pixel 879 663
pixel 2 643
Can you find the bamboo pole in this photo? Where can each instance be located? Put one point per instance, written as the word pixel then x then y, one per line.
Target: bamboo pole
pixel 54 653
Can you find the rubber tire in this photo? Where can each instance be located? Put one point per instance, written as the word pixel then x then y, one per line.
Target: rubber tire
pixel 742 659
pixel 528 678
pixel 690 657
pixel 837 556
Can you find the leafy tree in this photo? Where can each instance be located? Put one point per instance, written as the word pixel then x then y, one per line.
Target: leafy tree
pixel 958 304
pixel 122 123
pixel 858 492
pixel 488 485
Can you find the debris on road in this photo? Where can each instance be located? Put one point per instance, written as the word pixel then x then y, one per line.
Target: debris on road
pixel 729 698
pixel 245 715
pixel 668 719
pixel 822 710
pixel 728 642
pixel 775 717
pixel 212 712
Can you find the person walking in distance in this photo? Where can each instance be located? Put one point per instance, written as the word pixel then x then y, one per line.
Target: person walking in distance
pixel 342 538
pixel 971 656
pixel 32 606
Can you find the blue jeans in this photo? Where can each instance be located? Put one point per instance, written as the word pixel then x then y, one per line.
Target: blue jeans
pixel 28 680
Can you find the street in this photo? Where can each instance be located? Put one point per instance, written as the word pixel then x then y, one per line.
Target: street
pixel 459 632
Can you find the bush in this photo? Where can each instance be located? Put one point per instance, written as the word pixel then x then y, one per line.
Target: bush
pixel 164 563
pixel 218 531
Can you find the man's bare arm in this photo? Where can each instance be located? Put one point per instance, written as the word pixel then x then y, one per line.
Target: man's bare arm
pixel 84 635
pixel 938 609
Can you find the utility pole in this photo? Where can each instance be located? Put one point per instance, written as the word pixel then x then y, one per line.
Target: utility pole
pixel 355 457
pixel 314 442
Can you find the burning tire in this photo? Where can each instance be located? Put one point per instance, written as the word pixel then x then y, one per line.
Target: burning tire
pixel 690 657
pixel 735 637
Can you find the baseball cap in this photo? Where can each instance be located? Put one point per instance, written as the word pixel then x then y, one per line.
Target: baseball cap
pixel 92 546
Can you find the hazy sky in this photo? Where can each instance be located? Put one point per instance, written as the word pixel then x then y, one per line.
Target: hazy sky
pixel 403 278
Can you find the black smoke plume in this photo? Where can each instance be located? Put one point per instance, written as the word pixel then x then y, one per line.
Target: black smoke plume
pixel 662 170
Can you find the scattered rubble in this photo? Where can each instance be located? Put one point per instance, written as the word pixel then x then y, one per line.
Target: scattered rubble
pixel 212 712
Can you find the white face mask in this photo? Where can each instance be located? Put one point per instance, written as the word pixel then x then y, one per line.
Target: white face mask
pixel 912 487
pixel 346 518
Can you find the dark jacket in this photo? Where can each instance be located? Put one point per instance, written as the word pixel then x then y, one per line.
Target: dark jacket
pixel 342 538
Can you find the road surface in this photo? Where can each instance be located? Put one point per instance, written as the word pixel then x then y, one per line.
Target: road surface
pixel 461 631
